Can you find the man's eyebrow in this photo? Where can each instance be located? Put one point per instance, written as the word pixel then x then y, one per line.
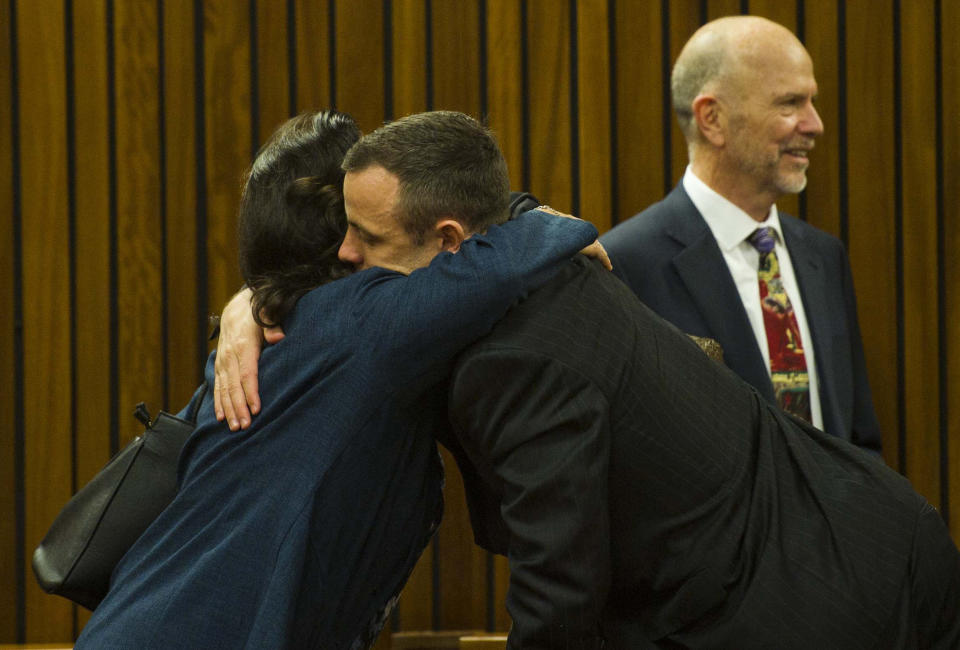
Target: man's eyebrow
pixel 791 97
pixel 363 231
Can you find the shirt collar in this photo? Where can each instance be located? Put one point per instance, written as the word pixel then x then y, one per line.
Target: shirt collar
pixel 729 224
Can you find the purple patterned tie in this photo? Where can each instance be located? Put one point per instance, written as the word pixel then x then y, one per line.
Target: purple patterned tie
pixel 788 366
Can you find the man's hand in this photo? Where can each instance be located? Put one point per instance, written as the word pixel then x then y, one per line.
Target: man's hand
pixel 235 390
pixel 594 251
pixel 598 252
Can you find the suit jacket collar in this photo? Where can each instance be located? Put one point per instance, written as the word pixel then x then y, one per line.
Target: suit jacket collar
pixel 811 274
pixel 701 267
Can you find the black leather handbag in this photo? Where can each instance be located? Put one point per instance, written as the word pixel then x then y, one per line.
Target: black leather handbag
pixel 103 520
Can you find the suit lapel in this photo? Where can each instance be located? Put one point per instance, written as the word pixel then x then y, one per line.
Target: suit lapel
pixel 812 278
pixel 704 272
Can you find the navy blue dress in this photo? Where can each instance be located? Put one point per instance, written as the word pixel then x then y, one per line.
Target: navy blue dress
pixel 300 531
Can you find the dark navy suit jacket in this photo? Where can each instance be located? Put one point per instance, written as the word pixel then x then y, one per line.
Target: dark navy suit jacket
pixel 668 256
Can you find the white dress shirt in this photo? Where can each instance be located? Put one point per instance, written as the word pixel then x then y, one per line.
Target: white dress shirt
pixel 731 227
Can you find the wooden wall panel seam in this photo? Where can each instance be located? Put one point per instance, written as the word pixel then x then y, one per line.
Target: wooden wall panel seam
pixel 163 207
pixel 842 122
pixel 113 289
pixel 19 416
pixel 388 113
pixel 9 460
pixel 291 58
pixel 255 135
pixel 200 164
pixel 483 76
pixel 666 62
pixel 614 186
pixel 332 50
pixel 574 112
pixel 802 35
pixel 901 389
pixel 942 334
pixel 71 145
pixel 428 55
pixel 525 97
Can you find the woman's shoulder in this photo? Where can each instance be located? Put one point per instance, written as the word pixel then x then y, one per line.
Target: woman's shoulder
pixel 334 300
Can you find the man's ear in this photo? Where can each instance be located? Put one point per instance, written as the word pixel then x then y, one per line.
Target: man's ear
pixel 708 112
pixel 451 234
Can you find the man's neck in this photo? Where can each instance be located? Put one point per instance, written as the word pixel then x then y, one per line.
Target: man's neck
pixel 723 181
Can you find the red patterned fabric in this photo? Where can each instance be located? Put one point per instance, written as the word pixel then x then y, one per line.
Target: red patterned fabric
pixel 788 366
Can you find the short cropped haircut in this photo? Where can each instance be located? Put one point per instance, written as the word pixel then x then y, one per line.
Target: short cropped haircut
pixel 447 165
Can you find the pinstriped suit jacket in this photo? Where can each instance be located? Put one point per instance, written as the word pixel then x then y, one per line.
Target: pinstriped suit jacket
pixel 647 496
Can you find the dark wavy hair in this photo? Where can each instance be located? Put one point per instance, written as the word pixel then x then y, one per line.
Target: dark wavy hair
pixel 291 219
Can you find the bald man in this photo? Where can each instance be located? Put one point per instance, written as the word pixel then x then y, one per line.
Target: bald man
pixel 718 260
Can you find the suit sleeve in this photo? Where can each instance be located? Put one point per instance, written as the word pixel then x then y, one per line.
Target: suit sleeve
pixel 864 427
pixel 432 314
pixel 544 435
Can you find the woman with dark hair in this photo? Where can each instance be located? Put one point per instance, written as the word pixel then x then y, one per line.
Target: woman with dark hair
pixel 291 219
pixel 299 531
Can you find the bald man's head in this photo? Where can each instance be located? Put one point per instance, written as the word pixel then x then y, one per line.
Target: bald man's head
pixel 726 56
pixel 744 90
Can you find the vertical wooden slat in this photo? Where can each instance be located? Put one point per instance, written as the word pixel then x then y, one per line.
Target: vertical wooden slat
pixel 456 56
pixel 409 58
pixel 313 59
pixel 92 241
pixel 504 84
pixel 8 520
pixel 139 230
pixel 92 245
pixel 46 290
pixel 639 85
pixel 823 175
pixel 593 68
pixel 950 61
pixel 549 75
pixel 273 67
pixel 869 42
pixel 919 240
pixel 227 92
pixel 184 358
pixel 359 64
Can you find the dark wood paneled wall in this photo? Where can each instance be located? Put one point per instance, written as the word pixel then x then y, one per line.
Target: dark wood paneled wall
pixel 125 127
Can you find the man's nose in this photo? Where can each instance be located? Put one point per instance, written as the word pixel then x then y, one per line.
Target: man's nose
pixel 349 252
pixel 811 123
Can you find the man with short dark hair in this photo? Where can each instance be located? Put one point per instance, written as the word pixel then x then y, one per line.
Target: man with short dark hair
pixel 645 496
pixel 718 260
pixel 395 184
